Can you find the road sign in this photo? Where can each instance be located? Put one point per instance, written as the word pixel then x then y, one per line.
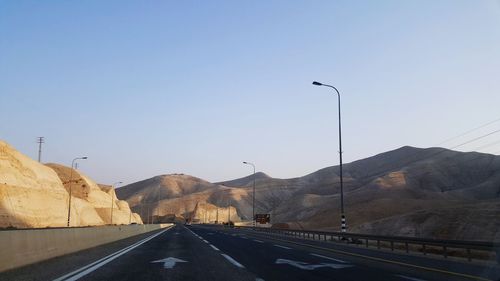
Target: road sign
pixel 263 218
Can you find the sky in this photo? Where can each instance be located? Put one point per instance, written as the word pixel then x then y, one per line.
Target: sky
pixel 145 88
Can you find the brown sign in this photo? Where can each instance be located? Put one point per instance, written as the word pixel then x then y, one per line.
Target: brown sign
pixel 263 218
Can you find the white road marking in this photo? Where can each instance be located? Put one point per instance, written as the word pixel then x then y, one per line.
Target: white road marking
pixel 258 241
pixel 205 241
pixel 77 274
pixel 410 278
pixel 284 247
pixel 169 262
pixel 328 258
pixel 213 247
pixel 231 260
pixel 259 279
pixel 306 266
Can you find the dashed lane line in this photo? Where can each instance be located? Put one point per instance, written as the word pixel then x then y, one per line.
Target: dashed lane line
pixel 213 247
pixel 410 278
pixel 328 258
pixel 284 247
pixel 231 260
pixel 468 276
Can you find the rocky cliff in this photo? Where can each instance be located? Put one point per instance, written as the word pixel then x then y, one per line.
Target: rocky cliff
pixel 36 195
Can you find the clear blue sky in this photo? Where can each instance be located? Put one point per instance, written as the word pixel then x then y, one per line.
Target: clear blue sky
pixel 154 87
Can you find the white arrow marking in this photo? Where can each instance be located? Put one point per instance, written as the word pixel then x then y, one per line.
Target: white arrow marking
pixel 169 262
pixel 306 266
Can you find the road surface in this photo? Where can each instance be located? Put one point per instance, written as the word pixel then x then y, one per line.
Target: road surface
pixel 216 253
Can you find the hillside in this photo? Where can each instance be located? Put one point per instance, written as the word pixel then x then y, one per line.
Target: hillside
pixel 169 197
pixel 406 191
pixel 36 195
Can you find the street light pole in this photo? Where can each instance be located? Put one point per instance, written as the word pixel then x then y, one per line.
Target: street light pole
pixel 343 219
pixel 70 179
pixel 112 201
pixel 253 197
pixel 228 209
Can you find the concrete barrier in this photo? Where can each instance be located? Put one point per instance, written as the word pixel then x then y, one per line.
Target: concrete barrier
pixel 23 247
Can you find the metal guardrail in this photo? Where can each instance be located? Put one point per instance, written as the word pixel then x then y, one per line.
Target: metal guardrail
pixel 406 243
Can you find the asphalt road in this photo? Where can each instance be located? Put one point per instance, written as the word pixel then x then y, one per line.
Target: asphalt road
pixel 215 253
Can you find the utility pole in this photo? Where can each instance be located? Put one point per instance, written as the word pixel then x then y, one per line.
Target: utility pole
pixel 40 140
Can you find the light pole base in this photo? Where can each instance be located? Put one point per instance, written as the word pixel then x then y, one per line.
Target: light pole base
pixel 343 223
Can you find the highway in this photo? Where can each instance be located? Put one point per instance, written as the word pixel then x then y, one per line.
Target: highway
pixel 216 253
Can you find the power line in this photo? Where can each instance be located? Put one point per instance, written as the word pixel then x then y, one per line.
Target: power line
pixel 475 139
pixel 468 132
pixel 487 145
pixel 410 158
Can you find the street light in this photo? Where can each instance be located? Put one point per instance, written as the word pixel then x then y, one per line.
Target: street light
pixel 253 197
pixel 343 219
pixel 112 200
pixel 70 179
pixel 228 211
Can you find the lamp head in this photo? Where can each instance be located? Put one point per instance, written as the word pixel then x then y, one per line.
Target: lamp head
pixel 317 83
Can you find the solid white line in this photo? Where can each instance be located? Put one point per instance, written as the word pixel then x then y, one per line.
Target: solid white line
pixel 284 247
pixel 258 241
pixel 95 265
pixel 205 241
pixel 213 247
pixel 410 278
pixel 328 258
pixel 231 260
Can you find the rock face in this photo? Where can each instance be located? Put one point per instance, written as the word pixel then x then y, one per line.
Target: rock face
pixel 433 193
pixel 168 197
pixel 36 195
pixel 101 198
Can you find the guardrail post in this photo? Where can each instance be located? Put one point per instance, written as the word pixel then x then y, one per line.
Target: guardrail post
pixel 366 241
pixel 444 252
pixel 469 257
pixel 406 246
pixel 392 245
pixel 424 250
pixel 378 244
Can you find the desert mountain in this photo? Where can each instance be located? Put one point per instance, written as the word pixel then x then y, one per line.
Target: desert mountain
pixel 431 192
pixel 36 195
pixel 170 197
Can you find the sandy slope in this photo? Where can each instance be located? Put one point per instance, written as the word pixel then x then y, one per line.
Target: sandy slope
pixel 36 195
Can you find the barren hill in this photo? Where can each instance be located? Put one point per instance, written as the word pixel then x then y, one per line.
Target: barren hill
pixel 406 191
pixel 36 195
pixel 176 196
